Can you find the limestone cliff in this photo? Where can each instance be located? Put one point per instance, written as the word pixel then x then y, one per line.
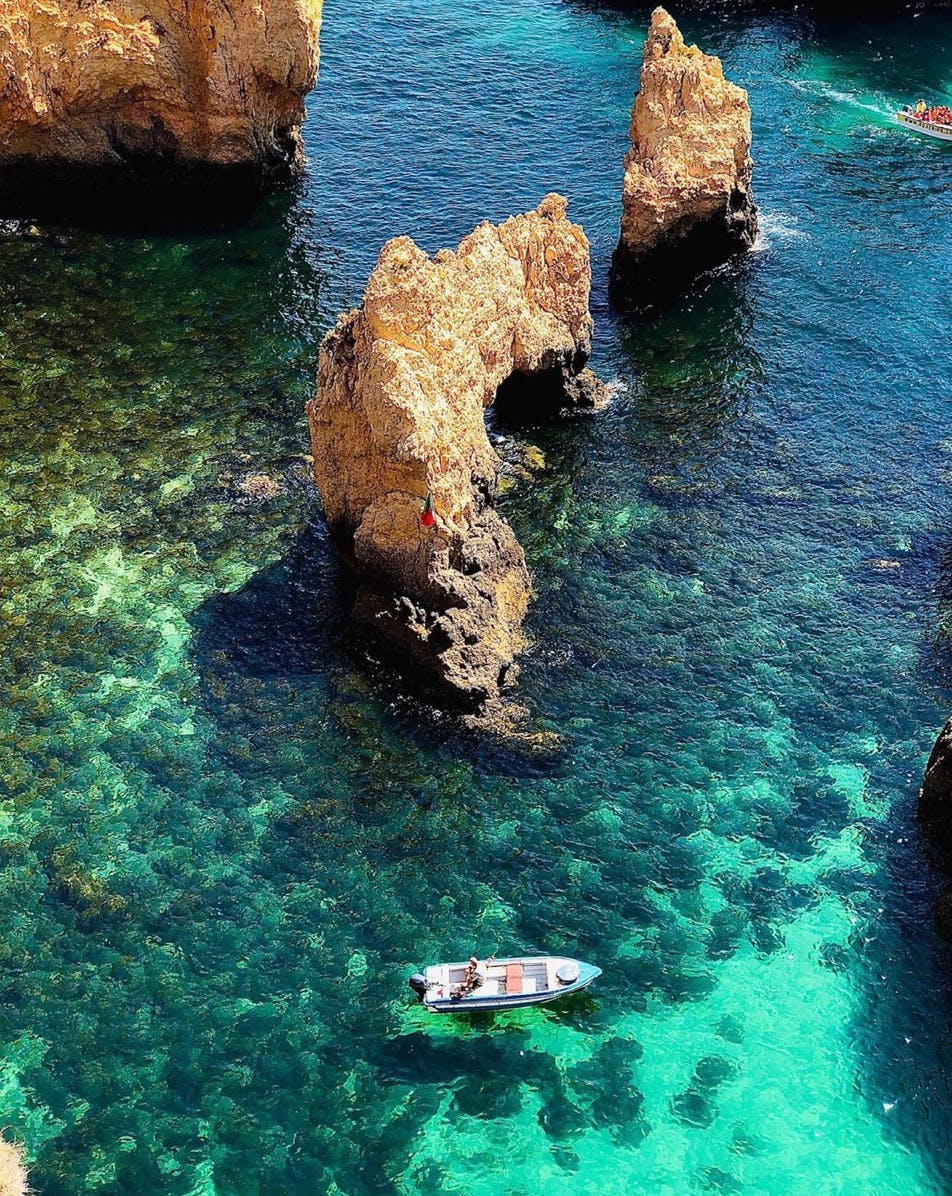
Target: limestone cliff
pixel 398 417
pixel 686 200
pixel 157 92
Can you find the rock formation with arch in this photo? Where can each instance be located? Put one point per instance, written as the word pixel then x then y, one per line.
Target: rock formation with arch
pixel 405 469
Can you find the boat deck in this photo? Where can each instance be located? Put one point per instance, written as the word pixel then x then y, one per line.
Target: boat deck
pixel 509 978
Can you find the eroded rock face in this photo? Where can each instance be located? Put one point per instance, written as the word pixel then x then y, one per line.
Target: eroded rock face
pixel 402 386
pixel 686 201
pixel 159 93
pixel 935 797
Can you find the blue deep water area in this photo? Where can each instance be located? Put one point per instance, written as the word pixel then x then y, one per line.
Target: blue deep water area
pixel 226 839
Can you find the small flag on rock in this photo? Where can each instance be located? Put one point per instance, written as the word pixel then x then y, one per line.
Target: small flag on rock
pixel 428 515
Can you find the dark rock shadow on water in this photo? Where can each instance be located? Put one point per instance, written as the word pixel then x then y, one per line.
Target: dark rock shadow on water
pixel 288 621
pixel 934 838
pixel 904 1038
pixel 210 200
pixel 871 34
pixel 941 646
pixel 286 636
pixel 698 373
pixel 904 1041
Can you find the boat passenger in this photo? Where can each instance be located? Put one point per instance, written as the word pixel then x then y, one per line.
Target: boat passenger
pixel 920 108
pixel 473 976
pixel 469 981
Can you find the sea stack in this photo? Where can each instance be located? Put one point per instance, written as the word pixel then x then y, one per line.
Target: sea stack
pixel 686 200
pixel 405 468
pixel 159 103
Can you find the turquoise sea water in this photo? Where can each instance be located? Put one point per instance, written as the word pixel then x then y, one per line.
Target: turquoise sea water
pixel 226 840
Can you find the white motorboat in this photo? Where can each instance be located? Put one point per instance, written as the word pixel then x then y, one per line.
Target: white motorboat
pixel 501 983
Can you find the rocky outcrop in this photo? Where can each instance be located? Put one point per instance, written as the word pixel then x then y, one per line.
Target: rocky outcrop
pixel 686 201
pixel 935 797
pixel 13 1177
pixel 935 813
pixel 398 419
pixel 172 97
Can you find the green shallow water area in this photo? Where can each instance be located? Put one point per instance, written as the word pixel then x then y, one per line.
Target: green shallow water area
pixel 226 840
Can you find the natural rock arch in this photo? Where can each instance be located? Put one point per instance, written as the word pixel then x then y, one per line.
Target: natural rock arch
pixel 403 383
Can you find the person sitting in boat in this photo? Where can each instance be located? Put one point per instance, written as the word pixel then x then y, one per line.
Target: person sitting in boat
pixel 473 976
pixel 920 108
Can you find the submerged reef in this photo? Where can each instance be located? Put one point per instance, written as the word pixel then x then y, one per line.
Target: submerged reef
pixel 197 103
pixel 686 198
pixel 13 1177
pixel 405 469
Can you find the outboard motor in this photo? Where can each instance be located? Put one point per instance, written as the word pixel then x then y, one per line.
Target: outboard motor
pixel 418 984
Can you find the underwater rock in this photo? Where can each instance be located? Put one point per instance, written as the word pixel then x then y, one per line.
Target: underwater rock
pixel 935 796
pixel 405 469
pixel 87 894
pixel 193 102
pixel 258 487
pixel 13 1177
pixel 686 199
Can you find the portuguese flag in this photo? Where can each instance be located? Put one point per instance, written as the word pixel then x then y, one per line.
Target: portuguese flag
pixel 428 515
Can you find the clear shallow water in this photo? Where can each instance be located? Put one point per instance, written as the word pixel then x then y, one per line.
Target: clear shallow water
pixel 224 846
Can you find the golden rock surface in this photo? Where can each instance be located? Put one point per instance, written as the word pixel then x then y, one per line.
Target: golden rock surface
pixel 688 172
pixel 102 83
pixel 13 1177
pixel 403 383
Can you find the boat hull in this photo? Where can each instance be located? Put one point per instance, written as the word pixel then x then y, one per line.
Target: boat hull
pixel 939 132
pixel 438 998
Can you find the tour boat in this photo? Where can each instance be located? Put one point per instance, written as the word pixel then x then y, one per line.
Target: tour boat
pixel 502 983
pixel 919 124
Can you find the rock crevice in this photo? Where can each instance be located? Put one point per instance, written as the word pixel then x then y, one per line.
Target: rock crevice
pixel 686 200
pixel 405 469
